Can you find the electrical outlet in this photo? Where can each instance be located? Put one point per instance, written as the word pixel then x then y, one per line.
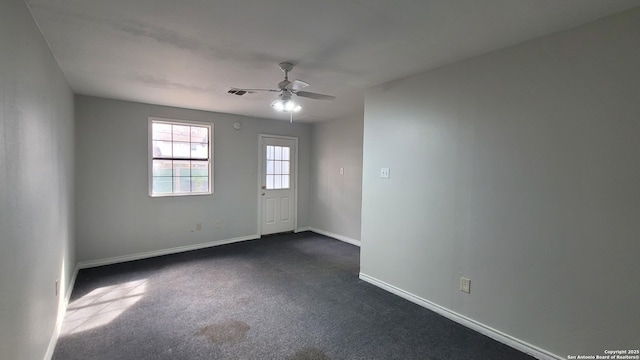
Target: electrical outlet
pixel 384 173
pixel 198 226
pixel 217 223
pixel 57 287
pixel 465 285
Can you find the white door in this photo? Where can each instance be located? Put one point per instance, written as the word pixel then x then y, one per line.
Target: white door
pixel 277 189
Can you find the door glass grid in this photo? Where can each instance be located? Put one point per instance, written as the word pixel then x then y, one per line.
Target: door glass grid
pixel 278 167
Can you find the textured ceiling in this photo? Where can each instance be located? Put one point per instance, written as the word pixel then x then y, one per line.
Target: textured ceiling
pixel 188 53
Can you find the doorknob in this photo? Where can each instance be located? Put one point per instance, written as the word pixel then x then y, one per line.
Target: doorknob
pixel 262 194
pixel 264 187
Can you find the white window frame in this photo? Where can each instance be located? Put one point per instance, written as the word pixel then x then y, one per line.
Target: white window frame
pixel 150 157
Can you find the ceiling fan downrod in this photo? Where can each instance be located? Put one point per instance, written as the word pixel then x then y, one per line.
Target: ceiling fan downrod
pixel 286 67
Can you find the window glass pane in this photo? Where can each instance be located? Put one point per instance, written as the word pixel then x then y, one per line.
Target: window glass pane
pixel 269 181
pixel 285 181
pixel 199 168
pixel 199 135
pixel 278 155
pixel 181 168
pixel 162 185
pixel 199 184
pixel 199 151
pixel 180 158
pixel 162 149
pixel 285 167
pixel 277 184
pixel 161 131
pixel 270 152
pixel 278 168
pixel 181 184
pixel 181 133
pixel 162 167
pixel 285 153
pixel 181 150
pixel 270 166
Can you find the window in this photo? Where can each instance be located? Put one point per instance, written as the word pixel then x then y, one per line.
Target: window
pixel 179 158
pixel 278 162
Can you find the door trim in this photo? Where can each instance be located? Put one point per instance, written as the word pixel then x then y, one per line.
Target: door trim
pixel 261 164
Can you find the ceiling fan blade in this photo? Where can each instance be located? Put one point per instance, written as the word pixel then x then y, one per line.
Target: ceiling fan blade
pixel 239 91
pixel 315 96
pixel 298 84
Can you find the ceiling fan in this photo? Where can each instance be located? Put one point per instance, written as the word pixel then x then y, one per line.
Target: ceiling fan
pixel 287 89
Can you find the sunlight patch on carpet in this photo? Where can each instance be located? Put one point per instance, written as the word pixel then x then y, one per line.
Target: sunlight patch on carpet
pixel 101 306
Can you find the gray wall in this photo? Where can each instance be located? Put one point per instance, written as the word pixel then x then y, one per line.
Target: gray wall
pixel 36 186
pixel 116 216
pixel 337 199
pixel 520 170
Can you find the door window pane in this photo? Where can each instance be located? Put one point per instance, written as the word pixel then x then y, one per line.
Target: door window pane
pixel 277 167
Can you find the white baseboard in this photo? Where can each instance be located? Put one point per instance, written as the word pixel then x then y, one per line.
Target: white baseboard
pixel 302 229
pixel 175 250
pixel 335 236
pixel 506 339
pixel 62 310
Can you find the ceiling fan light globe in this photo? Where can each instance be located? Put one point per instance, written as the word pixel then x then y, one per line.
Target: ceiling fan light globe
pixel 285 105
pixel 278 104
pixel 289 106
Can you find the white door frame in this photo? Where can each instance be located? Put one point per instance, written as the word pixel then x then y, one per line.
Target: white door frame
pixel 294 183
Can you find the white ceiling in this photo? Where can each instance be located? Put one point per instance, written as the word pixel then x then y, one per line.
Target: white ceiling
pixel 188 53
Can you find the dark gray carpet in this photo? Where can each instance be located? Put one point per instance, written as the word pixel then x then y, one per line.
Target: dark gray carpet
pixel 288 296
